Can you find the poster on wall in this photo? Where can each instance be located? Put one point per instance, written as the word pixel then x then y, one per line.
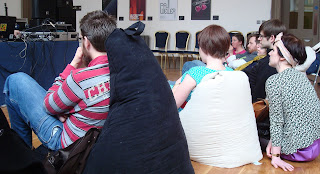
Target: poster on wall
pixel 200 9
pixel 168 10
pixel 137 10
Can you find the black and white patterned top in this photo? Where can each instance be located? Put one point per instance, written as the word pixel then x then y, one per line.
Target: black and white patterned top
pixel 294 111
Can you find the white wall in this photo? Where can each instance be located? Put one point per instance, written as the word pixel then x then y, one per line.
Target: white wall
pixel 14 8
pixel 86 6
pixel 241 15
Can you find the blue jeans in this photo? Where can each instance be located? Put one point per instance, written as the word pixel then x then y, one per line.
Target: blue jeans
pixel 188 65
pixel 24 99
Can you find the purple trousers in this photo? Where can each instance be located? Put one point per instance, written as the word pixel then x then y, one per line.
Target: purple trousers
pixel 306 154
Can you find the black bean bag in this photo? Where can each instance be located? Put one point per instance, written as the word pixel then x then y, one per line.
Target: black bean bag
pixel 142 133
pixel 16 157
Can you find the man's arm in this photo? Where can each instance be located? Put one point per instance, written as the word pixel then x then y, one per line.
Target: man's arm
pixel 247 57
pixel 61 97
pixel 252 75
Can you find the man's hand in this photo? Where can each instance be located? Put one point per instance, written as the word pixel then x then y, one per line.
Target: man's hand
pixel 77 60
pixel 62 118
pixel 278 162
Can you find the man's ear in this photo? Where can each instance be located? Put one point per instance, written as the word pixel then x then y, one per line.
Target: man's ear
pixel 272 38
pixel 86 42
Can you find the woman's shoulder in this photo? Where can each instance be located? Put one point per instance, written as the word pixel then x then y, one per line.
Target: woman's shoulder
pixel 199 69
pixel 273 79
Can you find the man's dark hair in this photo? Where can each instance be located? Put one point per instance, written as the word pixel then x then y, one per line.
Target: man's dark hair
pixel 272 27
pixel 97 26
pixel 253 35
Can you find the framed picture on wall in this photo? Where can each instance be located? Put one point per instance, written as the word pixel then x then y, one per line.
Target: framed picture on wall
pixel 200 9
pixel 168 10
pixel 137 10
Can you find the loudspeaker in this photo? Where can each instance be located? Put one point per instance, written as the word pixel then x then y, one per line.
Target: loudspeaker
pixel 43 9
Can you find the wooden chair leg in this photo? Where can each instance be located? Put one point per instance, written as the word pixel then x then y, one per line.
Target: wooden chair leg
pixel 181 61
pixel 161 61
pixel 165 61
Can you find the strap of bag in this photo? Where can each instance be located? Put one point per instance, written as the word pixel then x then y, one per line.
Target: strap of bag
pixel 266 102
pixel 135 29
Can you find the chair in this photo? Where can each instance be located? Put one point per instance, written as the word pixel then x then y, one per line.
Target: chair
pixel 196 48
pixel 181 45
pixel 316 48
pixel 161 44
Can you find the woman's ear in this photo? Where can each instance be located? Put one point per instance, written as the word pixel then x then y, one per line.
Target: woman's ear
pixel 282 59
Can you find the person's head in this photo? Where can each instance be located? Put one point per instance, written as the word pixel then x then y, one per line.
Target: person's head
pixel 261 51
pixel 252 43
pixel 269 30
pixel 237 41
pixel 289 50
pixel 95 27
pixel 214 41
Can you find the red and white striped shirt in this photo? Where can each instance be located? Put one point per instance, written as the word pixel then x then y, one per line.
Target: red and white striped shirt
pixel 83 96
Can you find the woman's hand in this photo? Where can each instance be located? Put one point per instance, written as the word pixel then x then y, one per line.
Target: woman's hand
pixel 230 51
pixel 278 162
pixel 268 149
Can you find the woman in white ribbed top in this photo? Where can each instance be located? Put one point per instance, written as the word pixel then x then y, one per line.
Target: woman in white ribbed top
pixel 294 106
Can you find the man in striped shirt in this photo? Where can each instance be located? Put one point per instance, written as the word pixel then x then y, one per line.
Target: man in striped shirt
pixel 78 99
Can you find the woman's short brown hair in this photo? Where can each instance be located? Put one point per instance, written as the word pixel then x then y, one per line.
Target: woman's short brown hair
pixel 214 40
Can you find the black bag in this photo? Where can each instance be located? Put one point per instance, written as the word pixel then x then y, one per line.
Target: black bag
pixel 143 132
pixel 71 159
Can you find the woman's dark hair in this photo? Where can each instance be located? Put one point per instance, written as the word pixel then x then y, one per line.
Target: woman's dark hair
pixel 240 37
pixel 214 40
pixel 97 26
pixel 296 48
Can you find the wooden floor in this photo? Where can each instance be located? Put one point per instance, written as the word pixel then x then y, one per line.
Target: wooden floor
pixel 312 167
